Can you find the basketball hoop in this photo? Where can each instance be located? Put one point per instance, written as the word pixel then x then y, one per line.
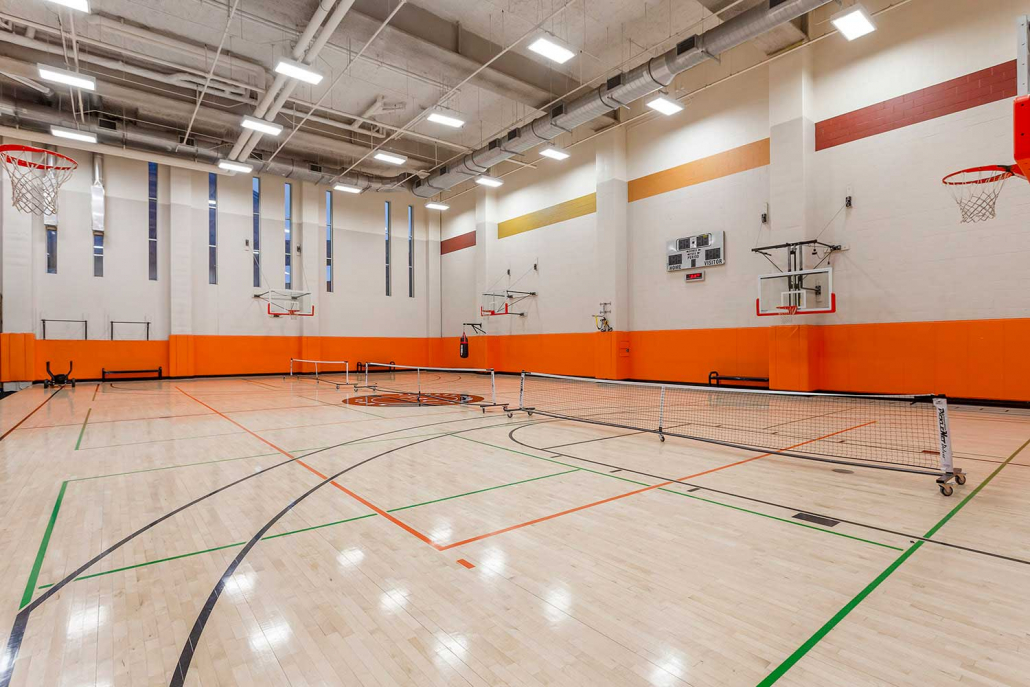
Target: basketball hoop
pixel 789 313
pixel 976 190
pixel 36 177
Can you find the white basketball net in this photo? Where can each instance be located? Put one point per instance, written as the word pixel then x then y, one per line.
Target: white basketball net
pixel 976 192
pixel 36 177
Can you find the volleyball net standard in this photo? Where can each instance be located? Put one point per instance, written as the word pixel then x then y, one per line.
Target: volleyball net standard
pixel 893 432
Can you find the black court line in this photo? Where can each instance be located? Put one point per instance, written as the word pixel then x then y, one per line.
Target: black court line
pixel 876 528
pixel 193 640
pixel 17 636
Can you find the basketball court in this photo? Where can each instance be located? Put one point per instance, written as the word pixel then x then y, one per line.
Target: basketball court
pixel 695 355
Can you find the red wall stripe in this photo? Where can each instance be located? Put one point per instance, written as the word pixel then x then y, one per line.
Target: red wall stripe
pixel 979 88
pixel 457 243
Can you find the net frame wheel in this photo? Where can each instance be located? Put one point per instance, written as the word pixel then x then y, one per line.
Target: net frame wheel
pixel 662 437
pixel 511 415
pixel 960 478
pixel 946 489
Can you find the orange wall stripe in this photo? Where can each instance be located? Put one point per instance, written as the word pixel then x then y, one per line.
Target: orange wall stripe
pixel 734 161
pixel 570 209
pixel 641 491
pixel 457 243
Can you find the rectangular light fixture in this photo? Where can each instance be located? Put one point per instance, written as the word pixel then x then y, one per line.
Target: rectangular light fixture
pixel 80 5
pixel 296 70
pixel 492 182
pixel 348 189
pixel 438 206
pixel 551 48
pixel 230 166
pixel 74 135
pixel 265 127
pixel 439 118
pixel 664 104
pixel 554 153
pixel 853 22
pixel 55 75
pixel 392 158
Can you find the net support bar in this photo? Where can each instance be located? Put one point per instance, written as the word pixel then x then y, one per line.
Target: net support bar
pixel 319 373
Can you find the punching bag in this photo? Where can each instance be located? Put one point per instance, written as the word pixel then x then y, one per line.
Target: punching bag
pixel 463 347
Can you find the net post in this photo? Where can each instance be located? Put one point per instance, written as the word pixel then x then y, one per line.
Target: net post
pixel 366 374
pixel 346 371
pixel 291 367
pixel 316 372
pixel 940 404
pixel 661 412
pixel 522 390
pixel 493 387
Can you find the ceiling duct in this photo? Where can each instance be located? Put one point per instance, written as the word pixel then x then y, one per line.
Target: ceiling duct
pixel 622 89
pixel 131 136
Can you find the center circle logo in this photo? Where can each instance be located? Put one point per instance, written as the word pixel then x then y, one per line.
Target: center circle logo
pixel 412 400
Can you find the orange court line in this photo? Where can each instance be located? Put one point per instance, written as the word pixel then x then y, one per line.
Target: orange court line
pixel 462 561
pixel 640 491
pixel 4 435
pixel 345 490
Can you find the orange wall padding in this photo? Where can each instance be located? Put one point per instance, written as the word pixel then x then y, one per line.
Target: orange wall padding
pixel 91 357
pixel 967 359
pixel 688 355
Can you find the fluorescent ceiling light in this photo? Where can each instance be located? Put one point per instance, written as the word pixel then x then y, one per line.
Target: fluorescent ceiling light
pixel 392 158
pixel 554 153
pixel 80 5
pixel 666 105
pixel 74 135
pixel 551 48
pixel 438 206
pixel 296 70
pixel 452 122
pixel 66 77
pixel 492 182
pixel 348 189
pixel 853 22
pixel 265 127
pixel 230 166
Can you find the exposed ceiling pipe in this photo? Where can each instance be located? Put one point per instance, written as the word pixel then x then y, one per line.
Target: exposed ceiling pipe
pixel 131 136
pixel 269 97
pixel 323 37
pixel 619 91
pixel 181 79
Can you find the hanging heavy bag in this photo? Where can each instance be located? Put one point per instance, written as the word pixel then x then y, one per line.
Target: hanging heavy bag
pixel 463 347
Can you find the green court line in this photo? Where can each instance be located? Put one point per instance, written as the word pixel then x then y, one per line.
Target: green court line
pixel 812 641
pixel 83 430
pixel 698 498
pixel 789 522
pixel 38 564
pixel 39 558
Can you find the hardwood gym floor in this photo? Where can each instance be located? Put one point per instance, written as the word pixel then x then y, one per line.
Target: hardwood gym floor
pixel 466 548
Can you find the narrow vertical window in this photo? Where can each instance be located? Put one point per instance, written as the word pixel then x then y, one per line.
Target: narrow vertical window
pixel 329 241
pixel 288 278
pixel 411 252
pixel 152 236
pixel 389 291
pixel 51 249
pixel 98 255
pixel 256 246
pixel 212 228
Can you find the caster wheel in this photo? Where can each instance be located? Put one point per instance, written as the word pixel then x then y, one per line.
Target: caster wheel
pixel 662 437
pixel 510 415
pixel 960 479
pixel 73 385
pixel 947 489
pixel 529 413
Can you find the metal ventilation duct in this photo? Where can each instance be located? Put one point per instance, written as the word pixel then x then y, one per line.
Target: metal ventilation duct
pixel 620 90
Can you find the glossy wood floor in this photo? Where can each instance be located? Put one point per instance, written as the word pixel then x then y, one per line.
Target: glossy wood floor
pixel 465 548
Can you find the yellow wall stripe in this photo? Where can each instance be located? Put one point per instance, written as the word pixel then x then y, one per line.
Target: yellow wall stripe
pixel 716 166
pixel 570 209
